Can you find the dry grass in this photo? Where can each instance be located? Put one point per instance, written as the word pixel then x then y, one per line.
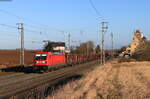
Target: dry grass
pixel 113 81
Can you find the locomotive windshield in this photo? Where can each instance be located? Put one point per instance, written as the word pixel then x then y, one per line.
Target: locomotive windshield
pixel 40 57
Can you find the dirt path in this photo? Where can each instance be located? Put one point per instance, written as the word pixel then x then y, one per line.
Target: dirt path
pixel 112 81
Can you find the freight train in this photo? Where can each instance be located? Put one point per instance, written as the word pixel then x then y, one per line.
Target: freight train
pixel 45 61
pixel 54 56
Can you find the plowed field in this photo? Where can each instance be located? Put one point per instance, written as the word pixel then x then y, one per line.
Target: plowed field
pixel 9 58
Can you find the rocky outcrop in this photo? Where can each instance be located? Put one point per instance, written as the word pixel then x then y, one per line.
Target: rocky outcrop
pixel 138 43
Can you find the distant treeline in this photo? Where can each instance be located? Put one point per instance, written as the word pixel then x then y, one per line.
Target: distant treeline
pixel 85 48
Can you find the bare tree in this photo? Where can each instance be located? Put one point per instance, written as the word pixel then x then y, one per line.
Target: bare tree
pixel 84 48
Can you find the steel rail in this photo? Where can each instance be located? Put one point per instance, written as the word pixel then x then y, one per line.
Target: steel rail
pixel 23 85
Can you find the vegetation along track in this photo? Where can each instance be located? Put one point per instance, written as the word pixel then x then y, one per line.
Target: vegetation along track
pixel 18 86
pixel 126 80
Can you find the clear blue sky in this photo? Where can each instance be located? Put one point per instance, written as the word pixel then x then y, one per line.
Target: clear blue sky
pixel 72 16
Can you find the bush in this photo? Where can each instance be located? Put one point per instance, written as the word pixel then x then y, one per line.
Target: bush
pixel 143 53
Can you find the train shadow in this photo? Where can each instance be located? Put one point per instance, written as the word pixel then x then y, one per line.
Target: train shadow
pixel 27 69
pixel 53 88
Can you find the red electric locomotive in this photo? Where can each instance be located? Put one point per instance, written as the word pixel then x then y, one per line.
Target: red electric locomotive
pixel 45 60
pixel 53 56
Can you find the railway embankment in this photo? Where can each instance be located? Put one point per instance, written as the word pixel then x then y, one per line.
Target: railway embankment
pixel 125 80
pixel 37 86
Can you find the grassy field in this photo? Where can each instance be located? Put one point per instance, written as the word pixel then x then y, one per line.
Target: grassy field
pixel 9 58
pixel 127 80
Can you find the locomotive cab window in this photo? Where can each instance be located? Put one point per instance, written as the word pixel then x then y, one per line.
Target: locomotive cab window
pixel 40 57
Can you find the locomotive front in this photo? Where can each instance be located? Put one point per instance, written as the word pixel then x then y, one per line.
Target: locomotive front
pixel 41 60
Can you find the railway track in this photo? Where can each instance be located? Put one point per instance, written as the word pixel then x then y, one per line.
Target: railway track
pixel 18 85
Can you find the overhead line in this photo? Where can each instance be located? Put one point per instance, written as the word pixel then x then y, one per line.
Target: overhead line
pixel 10 26
pixel 10 32
pixel 4 11
pixel 95 9
pixel 9 36
pixel 28 24
pixel 33 31
pixel 29 21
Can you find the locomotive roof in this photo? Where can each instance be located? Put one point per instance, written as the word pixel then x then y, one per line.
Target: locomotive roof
pixel 56 43
pixel 56 53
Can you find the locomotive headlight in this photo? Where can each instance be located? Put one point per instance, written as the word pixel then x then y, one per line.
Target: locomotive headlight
pixel 36 62
pixel 43 61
